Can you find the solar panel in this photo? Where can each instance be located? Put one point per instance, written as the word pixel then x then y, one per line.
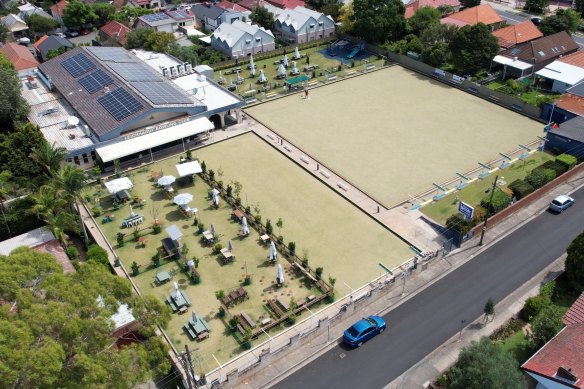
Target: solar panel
pixel 155 17
pixel 160 93
pixel 96 81
pixel 134 71
pixel 113 54
pixel 78 64
pixel 120 103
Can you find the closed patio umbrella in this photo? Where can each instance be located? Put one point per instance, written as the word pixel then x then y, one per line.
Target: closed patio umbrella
pixel 273 253
pixel 252 66
pixel 280 274
pixel 296 53
pixel 194 315
pixel 176 291
pixel 212 229
pixel 230 246
pixel 285 61
pixel 215 199
pixel 294 68
pixel 281 70
pixel 166 180
pixel 262 78
pixel 244 228
pixel 132 214
pixel 183 198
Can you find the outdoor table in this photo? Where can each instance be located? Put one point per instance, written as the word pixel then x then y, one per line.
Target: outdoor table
pixel 208 236
pixel 227 255
pixel 132 220
pixel 265 238
pixel 200 325
pixel 162 277
pixel 248 319
pixel 283 303
pixel 183 309
pixel 238 214
pixel 180 301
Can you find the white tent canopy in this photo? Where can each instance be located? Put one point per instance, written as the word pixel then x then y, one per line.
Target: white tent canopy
pixel 173 232
pixel 188 169
pixel 153 139
pixel 118 184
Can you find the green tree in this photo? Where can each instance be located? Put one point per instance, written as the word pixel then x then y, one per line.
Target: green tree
pixel 71 180
pixel 470 3
pixel 3 33
pixel 49 157
pixel 346 17
pixel 545 326
pixel 129 14
pixel 423 18
pixel 13 107
pixel 5 62
pixel 472 48
pixel 578 6
pixel 378 21
pixel 575 264
pixel 60 334
pixel 41 24
pixel 98 255
pixel 103 12
pixel 435 38
pixel 185 53
pixel 15 149
pixel 262 17
pixel 78 14
pixel 52 207
pixel 536 6
pixel 137 39
pixel 489 309
pixel 484 365
pixel 159 41
pixel 55 53
pixel 327 7
pixel 564 20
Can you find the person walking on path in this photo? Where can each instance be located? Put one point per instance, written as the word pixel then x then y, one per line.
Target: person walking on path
pixel 306 94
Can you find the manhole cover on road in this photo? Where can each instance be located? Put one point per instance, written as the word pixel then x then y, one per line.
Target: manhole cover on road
pixel 342 355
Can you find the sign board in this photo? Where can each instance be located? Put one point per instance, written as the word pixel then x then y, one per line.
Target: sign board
pixel 466 210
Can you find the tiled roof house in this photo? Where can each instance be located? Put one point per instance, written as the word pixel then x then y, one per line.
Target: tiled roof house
pixel 413 6
pixel 471 16
pixel 516 34
pixel 22 59
pixel 114 33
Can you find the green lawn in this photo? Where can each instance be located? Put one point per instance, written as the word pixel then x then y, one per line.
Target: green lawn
pixel 473 193
pixel 517 345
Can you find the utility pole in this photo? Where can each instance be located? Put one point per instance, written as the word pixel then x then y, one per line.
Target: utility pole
pixel 190 371
pixel 183 359
pixel 488 210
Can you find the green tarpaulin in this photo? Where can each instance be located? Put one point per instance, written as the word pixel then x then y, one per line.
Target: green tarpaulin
pixel 297 80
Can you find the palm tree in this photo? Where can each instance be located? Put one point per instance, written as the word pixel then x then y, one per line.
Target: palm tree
pixel 51 207
pixel 49 157
pixel 71 180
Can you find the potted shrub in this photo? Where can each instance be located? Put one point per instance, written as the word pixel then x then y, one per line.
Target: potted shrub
pixel 247 280
pixel 156 259
pixel 204 167
pixel 135 269
pixel 269 228
pixel 292 247
pixel 217 248
pixel 201 228
pixel 120 239
pixel 318 272
pixel 229 190
pixel 280 239
pixel 211 175
pixel 196 277
pixel 156 228
pixel 233 324
pixel 222 312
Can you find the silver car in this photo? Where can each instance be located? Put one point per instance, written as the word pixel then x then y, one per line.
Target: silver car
pixel 561 203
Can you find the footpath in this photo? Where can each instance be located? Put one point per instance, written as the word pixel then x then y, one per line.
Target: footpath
pixel 420 375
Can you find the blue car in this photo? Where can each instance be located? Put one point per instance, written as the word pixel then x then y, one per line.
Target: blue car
pixel 364 330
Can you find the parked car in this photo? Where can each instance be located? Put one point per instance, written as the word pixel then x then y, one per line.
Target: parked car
pixel 60 34
pixel 72 34
pixel 23 41
pixel 85 31
pixel 364 330
pixel 561 203
pixel 537 21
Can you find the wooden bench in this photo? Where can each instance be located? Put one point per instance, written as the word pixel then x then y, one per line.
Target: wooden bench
pixel 202 335
pixel 271 95
pixel 240 329
pixel 227 301
pixel 242 293
pixel 277 310
pixel 243 323
pixel 283 304
pixel 248 320
pixel 183 309
pixel 312 83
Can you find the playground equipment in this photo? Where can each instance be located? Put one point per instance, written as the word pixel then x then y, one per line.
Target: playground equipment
pixel 356 49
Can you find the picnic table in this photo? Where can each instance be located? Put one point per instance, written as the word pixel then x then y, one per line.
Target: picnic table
pixel 284 304
pixel 248 320
pixel 200 325
pixel 265 238
pixel 209 237
pixel 162 277
pixel 227 255
pixel 176 303
pixel 238 214
pixel 277 310
pixel 132 221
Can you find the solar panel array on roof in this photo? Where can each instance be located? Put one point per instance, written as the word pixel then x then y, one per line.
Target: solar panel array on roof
pixel 120 104
pixel 155 17
pixel 177 15
pixel 96 81
pixel 161 93
pixel 134 71
pixel 78 64
pixel 114 54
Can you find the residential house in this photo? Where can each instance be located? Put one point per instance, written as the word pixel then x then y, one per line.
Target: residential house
pixel 210 16
pixel 558 364
pixel 517 34
pixel 114 33
pixel 414 5
pixel 229 6
pixel 57 10
pixel 303 25
pixel 239 39
pixel 26 10
pixel 253 4
pixel 50 42
pixel 527 58
pixel 571 103
pixel 148 4
pixel 287 4
pixel 15 25
pixel 483 13
pixel 563 73
pixel 21 57
pixel 166 21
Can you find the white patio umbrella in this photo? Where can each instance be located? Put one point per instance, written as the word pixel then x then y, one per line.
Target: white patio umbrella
pixel 212 229
pixel 280 275
pixel 183 198
pixel 262 78
pixel 244 228
pixel 166 180
pixel 176 291
pixel 215 199
pixel 285 61
pixel 230 246
pixel 281 70
pixel 273 253
pixel 296 53
pixel 294 68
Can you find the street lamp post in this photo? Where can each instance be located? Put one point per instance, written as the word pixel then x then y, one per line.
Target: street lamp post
pixel 488 210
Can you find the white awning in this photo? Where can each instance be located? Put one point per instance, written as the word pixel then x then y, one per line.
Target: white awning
pixel 188 168
pixel 514 63
pixel 174 232
pixel 153 139
pixel 118 184
pixel 563 72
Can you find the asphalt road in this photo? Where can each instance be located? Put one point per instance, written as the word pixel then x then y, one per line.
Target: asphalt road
pixel 514 18
pixel 430 318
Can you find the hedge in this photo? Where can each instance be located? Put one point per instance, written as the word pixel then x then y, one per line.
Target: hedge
pixel 458 223
pixel 520 189
pixel 537 178
pixel 568 160
pixel 559 168
pixel 501 200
